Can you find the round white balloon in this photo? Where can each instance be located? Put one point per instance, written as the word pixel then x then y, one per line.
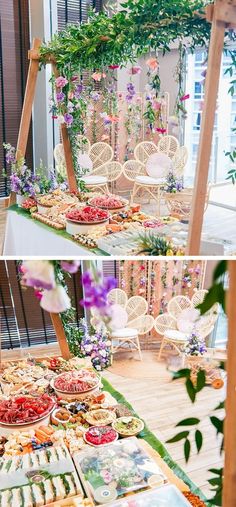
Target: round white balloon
pixel 85 162
pixel 159 165
pixel 119 317
pixel 187 320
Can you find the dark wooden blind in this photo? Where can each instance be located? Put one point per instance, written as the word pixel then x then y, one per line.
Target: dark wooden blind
pixel 109 268
pixel 14 45
pixel 75 11
pixel 23 322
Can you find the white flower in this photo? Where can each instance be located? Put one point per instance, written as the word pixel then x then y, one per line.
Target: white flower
pixel 55 300
pixel 103 353
pixel 38 274
pixel 61 119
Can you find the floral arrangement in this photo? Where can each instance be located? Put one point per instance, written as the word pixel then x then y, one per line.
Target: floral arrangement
pixel 22 180
pixel 96 345
pixel 195 345
pixel 173 184
pixel 25 182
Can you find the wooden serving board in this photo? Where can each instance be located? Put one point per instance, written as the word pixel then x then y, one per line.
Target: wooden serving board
pixel 48 221
pixel 76 501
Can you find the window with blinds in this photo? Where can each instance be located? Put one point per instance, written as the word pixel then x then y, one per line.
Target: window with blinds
pixel 110 268
pixel 14 45
pixel 23 322
pixel 75 11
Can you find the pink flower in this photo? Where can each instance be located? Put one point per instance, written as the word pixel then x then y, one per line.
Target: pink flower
pixel 152 63
pixel 161 131
pixel 38 295
pixel 113 67
pixel 70 266
pixel 135 70
pixel 61 82
pixel 97 76
pixel 185 97
pixel 156 105
pixel 107 476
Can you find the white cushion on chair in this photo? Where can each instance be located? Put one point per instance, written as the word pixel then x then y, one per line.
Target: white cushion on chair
pixel 127 332
pixel 94 180
pixel 147 180
pixel 172 334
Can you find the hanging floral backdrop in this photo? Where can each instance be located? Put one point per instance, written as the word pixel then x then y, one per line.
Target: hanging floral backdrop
pixel 159 281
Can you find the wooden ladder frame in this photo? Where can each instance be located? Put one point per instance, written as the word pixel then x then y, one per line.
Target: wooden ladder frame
pixel 222 15
pixel 34 57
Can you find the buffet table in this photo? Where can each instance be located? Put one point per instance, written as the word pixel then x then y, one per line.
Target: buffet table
pixel 61 455
pixel 25 236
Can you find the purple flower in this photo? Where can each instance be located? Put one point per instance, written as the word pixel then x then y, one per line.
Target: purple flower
pixel 70 266
pixel 78 90
pixel 60 96
pixel 95 96
pixel 11 156
pixel 68 119
pixel 15 183
pixel 96 292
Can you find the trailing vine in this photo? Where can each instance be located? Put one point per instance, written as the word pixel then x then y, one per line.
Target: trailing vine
pixel 138 28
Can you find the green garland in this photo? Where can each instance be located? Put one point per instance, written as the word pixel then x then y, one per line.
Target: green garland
pixel 141 26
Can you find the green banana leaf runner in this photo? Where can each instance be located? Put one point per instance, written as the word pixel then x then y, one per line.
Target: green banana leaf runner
pixel 150 438
pixel 63 233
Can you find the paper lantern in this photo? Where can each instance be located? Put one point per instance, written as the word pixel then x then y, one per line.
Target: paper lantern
pixel 85 162
pixel 159 165
pixel 119 317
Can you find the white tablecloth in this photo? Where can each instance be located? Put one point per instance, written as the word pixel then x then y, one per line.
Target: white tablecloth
pixel 26 237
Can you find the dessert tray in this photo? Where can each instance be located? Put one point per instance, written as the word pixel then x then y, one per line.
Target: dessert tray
pixel 113 471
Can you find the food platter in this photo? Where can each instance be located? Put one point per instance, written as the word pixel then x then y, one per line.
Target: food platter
pixel 100 417
pixel 109 202
pixel 128 426
pixel 70 379
pixel 94 436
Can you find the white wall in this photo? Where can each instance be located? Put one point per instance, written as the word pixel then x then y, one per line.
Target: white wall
pixel 42 25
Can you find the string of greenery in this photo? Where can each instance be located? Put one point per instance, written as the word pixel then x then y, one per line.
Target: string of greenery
pixel 139 27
